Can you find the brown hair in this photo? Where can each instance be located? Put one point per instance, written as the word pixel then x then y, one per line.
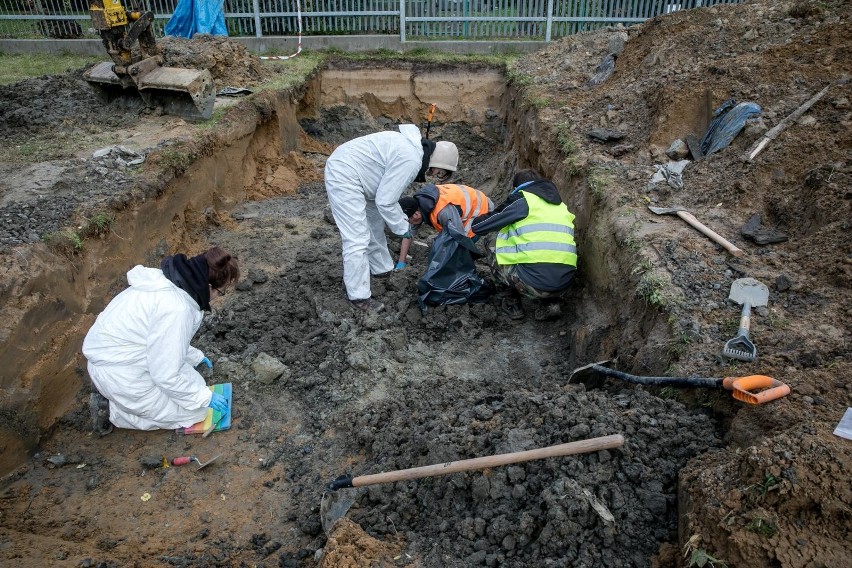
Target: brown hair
pixel 524 176
pixel 222 268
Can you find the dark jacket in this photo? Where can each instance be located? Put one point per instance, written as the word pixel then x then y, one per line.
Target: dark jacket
pixel 544 276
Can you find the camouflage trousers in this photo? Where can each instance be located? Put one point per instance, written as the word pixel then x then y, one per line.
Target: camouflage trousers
pixel 507 279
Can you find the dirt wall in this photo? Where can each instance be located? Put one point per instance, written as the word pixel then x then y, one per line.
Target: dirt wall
pixel 51 297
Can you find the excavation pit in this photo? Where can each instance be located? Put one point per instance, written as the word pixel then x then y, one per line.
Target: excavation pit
pixel 699 473
pixel 364 394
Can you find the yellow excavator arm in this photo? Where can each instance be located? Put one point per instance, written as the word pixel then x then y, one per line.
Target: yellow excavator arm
pixel 188 93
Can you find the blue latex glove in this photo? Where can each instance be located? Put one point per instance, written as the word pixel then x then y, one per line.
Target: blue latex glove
pixel 207 362
pixel 219 402
pixel 399 266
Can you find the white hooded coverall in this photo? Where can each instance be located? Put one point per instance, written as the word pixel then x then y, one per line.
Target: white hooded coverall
pixel 364 179
pixel 139 356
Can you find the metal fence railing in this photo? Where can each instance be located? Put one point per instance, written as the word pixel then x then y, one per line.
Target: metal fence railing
pixel 409 19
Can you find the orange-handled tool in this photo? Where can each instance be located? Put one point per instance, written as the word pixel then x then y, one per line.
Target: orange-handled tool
pixel 429 116
pixel 741 387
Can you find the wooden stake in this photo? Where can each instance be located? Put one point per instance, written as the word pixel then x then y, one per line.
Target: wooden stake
pixel 758 146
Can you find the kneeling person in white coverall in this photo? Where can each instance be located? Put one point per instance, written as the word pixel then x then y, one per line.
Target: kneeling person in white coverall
pixel 139 356
pixel 364 179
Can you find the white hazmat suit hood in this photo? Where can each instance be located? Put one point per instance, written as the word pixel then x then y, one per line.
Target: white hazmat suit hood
pixel 139 356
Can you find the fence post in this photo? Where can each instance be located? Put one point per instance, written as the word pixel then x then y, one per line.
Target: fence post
pixel 549 25
pixel 256 7
pixel 402 21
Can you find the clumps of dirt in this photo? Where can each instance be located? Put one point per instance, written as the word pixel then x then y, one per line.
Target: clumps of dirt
pixel 542 512
pixel 790 500
pixel 63 105
pixel 229 62
pixel 349 546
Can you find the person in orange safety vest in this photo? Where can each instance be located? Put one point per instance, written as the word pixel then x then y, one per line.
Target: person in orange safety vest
pixel 441 205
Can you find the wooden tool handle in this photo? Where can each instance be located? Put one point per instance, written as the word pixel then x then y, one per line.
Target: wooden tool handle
pixel 727 245
pixel 571 448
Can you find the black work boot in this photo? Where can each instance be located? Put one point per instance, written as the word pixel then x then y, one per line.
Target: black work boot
pixel 99 409
pixel 368 305
pixel 512 307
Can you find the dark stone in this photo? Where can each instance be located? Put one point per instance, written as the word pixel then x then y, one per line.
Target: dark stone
pixel 783 283
pixel 151 462
pixel 753 231
pixel 605 134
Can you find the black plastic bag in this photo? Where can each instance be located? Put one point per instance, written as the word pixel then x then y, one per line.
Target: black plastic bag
pixel 451 277
pixel 727 122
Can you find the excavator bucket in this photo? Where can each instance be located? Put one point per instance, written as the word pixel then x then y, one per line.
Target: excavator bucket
pixel 188 93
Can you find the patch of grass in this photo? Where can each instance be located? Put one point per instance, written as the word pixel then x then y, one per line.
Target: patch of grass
pixel 568 145
pixel 518 78
pixel 98 224
pixel 650 289
pixel 756 492
pixel 421 54
pixel 177 158
pixel 762 527
pixel 293 71
pixel 777 321
pixel 14 68
pixel 643 266
pixel 539 102
pixel 668 393
pixel 214 119
pixel 698 558
pixel 67 241
pixel 677 346
pixel 729 327
pixel 598 179
pixel 633 243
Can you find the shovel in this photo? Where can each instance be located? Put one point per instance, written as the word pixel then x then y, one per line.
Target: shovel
pixel 742 387
pixel 749 293
pixel 335 503
pixel 690 218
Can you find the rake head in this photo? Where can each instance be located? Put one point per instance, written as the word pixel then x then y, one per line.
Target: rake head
pixel 740 348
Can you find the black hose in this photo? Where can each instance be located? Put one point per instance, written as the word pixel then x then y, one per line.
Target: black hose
pixel 659 381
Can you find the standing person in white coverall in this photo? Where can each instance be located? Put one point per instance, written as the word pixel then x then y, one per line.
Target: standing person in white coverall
pixel 139 357
pixel 364 179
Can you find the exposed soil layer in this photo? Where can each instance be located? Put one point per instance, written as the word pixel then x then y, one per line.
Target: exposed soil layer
pixel 701 476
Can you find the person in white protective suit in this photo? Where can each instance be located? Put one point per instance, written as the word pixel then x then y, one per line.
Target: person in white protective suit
pixel 364 179
pixel 139 357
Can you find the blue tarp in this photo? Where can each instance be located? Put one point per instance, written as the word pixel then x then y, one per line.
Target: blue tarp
pixel 197 17
pixel 728 120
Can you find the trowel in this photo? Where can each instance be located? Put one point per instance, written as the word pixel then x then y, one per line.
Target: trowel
pixel 183 460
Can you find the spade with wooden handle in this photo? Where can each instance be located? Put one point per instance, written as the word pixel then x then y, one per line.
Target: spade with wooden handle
pixel 335 503
pixel 690 218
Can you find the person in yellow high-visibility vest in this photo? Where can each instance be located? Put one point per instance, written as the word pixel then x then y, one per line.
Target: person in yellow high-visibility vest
pixel 534 254
pixel 447 204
